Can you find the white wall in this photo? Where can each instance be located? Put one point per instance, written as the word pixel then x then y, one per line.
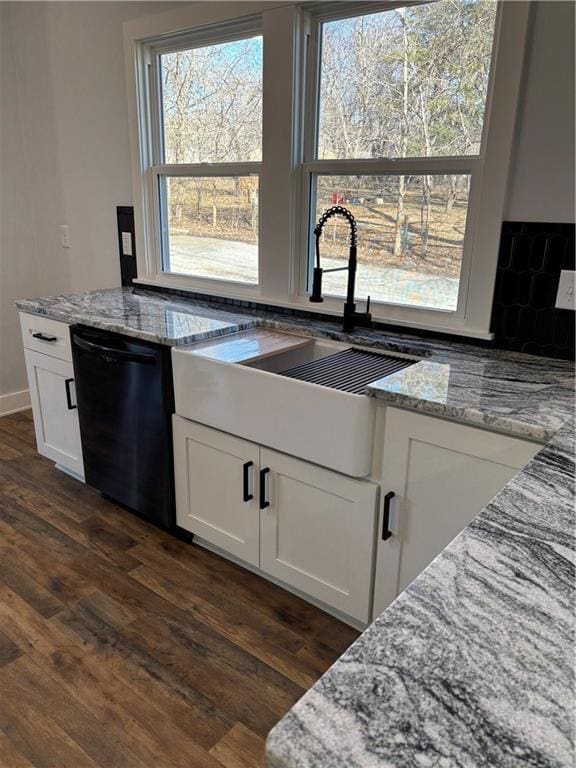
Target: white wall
pixel 542 185
pixel 30 185
pixel 65 159
pixel 64 155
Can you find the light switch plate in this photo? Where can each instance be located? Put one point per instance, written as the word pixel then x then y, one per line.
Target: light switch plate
pixel 127 243
pixel 566 289
pixel 64 235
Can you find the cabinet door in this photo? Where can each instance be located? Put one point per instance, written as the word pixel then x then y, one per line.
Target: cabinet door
pixel 216 495
pixel 53 397
pixel 442 475
pixel 317 534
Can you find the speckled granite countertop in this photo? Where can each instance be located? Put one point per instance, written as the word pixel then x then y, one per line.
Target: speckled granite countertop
pixel 515 393
pixel 147 315
pixel 472 665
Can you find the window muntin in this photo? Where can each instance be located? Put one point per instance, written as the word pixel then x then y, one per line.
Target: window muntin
pixel 407 253
pixel 212 103
pixel 406 82
pixel 210 128
pixel 211 226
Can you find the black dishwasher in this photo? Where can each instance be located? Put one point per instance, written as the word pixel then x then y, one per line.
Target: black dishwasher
pixel 125 404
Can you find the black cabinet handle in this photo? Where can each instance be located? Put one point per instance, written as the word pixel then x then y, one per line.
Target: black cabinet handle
pixel 68 395
pixel 386 532
pixel 263 500
pixel 44 337
pixel 246 495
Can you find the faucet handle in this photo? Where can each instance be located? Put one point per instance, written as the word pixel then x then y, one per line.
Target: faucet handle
pixel 316 295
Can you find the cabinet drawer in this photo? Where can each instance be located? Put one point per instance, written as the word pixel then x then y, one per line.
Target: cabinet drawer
pixel 50 337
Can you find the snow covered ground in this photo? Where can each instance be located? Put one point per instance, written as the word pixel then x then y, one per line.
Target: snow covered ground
pixel 234 260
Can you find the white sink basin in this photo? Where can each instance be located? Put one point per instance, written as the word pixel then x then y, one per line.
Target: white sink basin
pixel 232 383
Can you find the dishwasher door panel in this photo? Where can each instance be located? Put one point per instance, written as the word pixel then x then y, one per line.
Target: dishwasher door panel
pixel 125 402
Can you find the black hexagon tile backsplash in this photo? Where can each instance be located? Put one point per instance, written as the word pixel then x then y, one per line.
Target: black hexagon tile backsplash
pixel 524 318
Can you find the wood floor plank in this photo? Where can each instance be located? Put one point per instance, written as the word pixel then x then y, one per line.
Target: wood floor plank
pixel 9 755
pixel 9 651
pixel 35 595
pixel 76 499
pixel 249 589
pixel 240 748
pixel 239 632
pixel 62 582
pixel 136 666
pixel 94 534
pixel 103 648
pixel 17 443
pixel 136 724
pixel 224 675
pixel 121 646
pixel 198 589
pixel 57 651
pixel 33 527
pixel 34 734
pixel 18 481
pixel 25 680
pixel 238 692
pixel 9 452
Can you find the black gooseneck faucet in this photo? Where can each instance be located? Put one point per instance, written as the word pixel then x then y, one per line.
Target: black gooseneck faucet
pixel 351 317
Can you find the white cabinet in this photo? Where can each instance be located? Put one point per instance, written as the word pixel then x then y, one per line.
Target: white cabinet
pixel 309 527
pixel 317 533
pixel 53 397
pixel 216 497
pixel 50 337
pixel 441 474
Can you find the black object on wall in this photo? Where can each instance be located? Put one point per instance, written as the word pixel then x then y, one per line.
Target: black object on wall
pixel 126 243
pixel 524 317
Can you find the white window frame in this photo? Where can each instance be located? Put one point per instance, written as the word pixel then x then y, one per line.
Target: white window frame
pixel 289 94
pixel 153 210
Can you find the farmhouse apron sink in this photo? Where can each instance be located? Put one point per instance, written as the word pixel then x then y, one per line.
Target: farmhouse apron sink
pixel 295 394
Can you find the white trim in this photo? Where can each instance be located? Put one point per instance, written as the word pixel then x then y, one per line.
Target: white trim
pixel 488 174
pixel 70 472
pixel 192 16
pixel 283 219
pixel 500 120
pixel 207 169
pixel 329 307
pixel 14 402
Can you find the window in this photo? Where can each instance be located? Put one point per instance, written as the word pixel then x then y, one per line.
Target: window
pixel 210 150
pixel 248 120
pixel 396 138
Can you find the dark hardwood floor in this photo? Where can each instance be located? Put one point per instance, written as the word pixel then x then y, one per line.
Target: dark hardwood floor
pixel 122 647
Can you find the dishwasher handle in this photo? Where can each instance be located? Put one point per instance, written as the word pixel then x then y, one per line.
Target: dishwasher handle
pixel 113 355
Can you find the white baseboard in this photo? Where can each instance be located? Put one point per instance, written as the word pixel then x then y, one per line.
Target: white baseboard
pixel 14 402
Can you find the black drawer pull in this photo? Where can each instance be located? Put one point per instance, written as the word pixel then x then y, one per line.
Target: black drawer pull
pixel 263 500
pixel 386 532
pixel 44 337
pixel 246 495
pixel 68 395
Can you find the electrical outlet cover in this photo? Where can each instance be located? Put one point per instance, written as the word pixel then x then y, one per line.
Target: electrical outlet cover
pixel 566 290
